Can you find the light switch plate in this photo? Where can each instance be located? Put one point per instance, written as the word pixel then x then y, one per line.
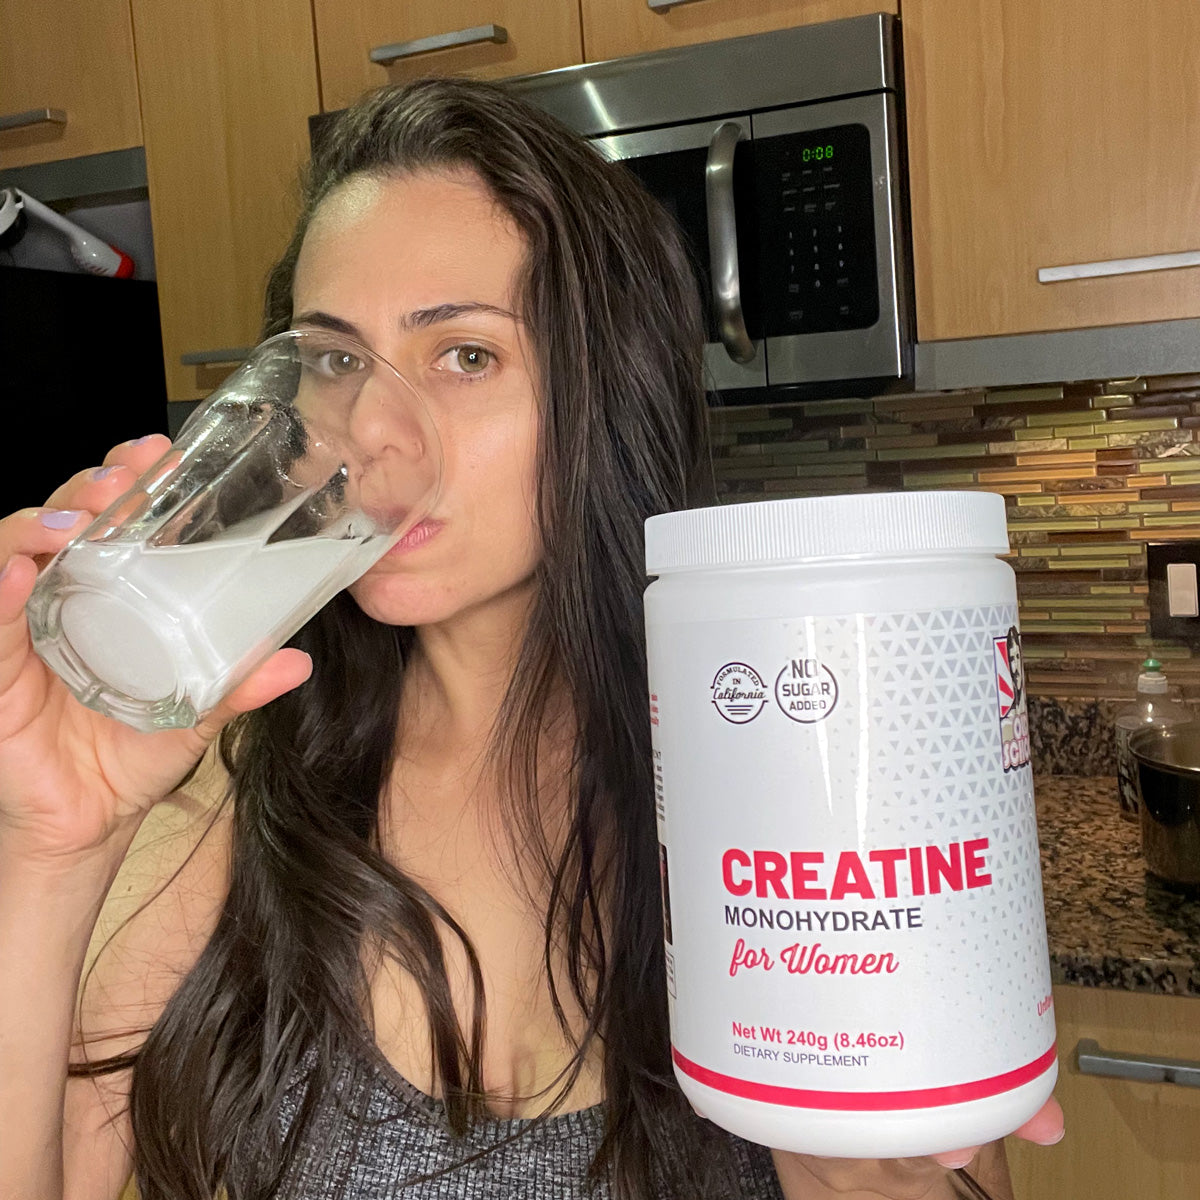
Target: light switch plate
pixel 1160 556
pixel 1181 590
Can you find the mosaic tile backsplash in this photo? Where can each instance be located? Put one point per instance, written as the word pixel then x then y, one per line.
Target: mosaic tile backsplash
pixel 1090 473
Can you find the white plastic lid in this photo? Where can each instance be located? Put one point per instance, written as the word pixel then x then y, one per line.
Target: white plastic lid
pixel 1152 681
pixel 782 531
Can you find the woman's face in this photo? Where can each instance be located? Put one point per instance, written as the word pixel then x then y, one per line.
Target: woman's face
pixel 1016 665
pixel 423 269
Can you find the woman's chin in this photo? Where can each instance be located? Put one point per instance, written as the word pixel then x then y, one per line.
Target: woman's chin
pixel 394 601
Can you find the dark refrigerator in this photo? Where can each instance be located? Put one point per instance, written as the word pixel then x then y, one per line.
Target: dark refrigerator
pixel 81 368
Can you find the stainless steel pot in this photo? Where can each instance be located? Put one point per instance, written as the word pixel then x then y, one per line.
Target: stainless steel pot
pixel 1168 774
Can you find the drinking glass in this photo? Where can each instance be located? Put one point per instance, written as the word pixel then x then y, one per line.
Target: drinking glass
pixel 298 474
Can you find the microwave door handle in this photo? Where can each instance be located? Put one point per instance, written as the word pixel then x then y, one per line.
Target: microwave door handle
pixel 722 242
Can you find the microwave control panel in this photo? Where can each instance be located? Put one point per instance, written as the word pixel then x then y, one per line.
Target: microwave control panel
pixel 817 229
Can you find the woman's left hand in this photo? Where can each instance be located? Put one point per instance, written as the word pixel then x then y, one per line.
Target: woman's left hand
pixel 802 1175
pixel 1045 1127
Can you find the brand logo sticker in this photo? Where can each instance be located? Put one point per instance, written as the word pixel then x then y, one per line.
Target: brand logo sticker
pixel 1010 699
pixel 738 693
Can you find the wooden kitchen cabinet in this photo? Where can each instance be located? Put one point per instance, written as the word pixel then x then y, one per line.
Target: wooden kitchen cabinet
pixel 1043 133
pixel 1124 1139
pixel 542 35
pixel 615 28
pixel 73 55
pixel 226 92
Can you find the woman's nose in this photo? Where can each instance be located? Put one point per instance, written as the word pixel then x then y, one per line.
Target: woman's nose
pixel 386 416
pixel 396 445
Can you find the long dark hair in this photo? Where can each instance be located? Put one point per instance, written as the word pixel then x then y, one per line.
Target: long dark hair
pixel 280 990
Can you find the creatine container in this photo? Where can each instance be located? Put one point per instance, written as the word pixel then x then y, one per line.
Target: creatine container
pixel 852 902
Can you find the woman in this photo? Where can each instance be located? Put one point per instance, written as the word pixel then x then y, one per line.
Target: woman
pixel 423 907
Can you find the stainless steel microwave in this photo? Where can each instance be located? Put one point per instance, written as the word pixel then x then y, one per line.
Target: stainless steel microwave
pixel 780 155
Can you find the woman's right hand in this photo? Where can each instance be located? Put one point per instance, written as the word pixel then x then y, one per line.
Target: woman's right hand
pixel 73 782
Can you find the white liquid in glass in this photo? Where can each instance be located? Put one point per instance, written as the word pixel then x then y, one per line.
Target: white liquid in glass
pixel 156 621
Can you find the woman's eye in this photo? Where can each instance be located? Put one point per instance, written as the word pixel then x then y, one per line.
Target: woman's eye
pixel 339 362
pixel 332 364
pixel 468 359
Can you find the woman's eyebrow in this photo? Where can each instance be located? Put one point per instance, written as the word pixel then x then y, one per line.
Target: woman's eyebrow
pixel 326 321
pixel 421 318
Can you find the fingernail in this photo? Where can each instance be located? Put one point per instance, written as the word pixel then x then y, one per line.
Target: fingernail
pixel 953 1164
pixel 102 472
pixel 142 440
pixel 1058 1137
pixel 60 518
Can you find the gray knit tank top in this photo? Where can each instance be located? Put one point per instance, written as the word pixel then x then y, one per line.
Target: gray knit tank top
pixel 405 1149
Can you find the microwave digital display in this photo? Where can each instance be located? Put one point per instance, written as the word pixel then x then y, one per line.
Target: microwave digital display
pixel 817 213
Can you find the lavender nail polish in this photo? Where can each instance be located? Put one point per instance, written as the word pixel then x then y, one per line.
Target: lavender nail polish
pixel 102 473
pixel 60 518
pixel 140 441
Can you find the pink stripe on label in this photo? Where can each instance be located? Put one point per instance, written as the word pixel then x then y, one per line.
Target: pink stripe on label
pixel 956 1093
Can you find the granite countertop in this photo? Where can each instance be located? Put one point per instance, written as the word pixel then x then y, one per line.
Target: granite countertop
pixel 1109 925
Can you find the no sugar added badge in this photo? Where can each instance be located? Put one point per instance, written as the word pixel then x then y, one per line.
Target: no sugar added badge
pixel 806 690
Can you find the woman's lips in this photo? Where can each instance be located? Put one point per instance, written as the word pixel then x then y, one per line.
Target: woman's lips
pixel 418 535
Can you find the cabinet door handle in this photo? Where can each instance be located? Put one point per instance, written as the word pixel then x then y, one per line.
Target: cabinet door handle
pixel 33 116
pixel 1119 266
pixel 1147 1068
pixel 207 358
pixel 663 5
pixel 386 55
pixel 722 241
